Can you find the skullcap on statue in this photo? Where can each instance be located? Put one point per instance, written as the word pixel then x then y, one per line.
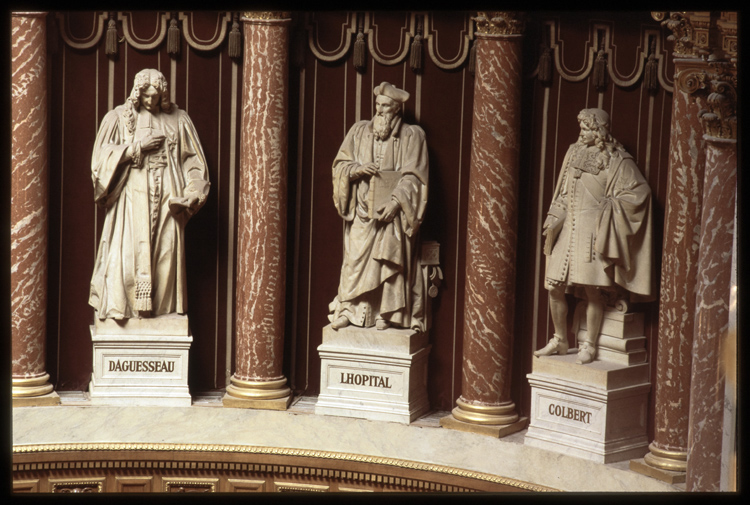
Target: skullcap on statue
pixel 391 92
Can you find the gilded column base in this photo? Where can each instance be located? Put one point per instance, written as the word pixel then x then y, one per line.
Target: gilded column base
pixel 34 392
pixel 263 395
pixel 667 466
pixel 492 420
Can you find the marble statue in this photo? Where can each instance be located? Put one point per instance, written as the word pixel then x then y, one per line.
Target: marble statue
pixel 598 233
pixel 150 174
pixel 380 182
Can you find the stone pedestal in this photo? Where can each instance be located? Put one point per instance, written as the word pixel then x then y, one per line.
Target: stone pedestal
pixel 595 411
pixel 373 374
pixel 141 362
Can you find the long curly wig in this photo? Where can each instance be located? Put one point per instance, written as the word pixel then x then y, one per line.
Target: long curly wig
pixel 143 80
pixel 598 121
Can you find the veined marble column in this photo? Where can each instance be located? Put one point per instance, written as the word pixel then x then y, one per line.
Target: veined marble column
pixel 485 405
pixel 667 457
pixel 258 381
pixel 28 215
pixel 713 289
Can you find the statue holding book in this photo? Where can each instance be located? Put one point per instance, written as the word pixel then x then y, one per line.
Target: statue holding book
pixel 380 182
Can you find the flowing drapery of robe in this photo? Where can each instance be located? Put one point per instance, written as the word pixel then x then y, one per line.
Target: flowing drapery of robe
pixel 140 264
pixel 605 237
pixel 380 274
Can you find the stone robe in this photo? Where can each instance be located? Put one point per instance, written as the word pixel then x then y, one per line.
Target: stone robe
pixel 140 265
pixel 605 238
pixel 381 274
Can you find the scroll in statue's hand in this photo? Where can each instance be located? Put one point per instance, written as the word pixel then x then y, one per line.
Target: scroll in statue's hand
pixel 387 212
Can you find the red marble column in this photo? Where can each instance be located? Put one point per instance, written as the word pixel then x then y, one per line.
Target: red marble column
pixel 668 451
pixel 485 405
pixel 258 381
pixel 28 215
pixel 711 315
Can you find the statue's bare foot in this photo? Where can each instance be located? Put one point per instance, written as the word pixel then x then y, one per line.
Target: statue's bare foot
pixel 381 324
pixel 340 322
pixel 586 353
pixel 556 344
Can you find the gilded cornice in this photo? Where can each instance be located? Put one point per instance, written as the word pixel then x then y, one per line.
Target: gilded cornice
pixel 727 27
pixel 719 80
pixel 279 451
pixel 690 32
pixel 499 23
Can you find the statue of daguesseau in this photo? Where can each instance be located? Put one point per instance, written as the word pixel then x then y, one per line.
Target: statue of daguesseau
pixel 150 175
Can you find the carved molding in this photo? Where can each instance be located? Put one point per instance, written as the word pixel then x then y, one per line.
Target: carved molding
pixel 212 42
pixel 727 26
pixel 719 81
pixel 431 36
pixel 149 42
pixel 600 37
pixel 348 28
pixel 499 23
pixel 407 33
pixel 242 449
pixel 81 42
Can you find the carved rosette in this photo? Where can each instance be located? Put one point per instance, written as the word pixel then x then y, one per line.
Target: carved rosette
pixel 499 23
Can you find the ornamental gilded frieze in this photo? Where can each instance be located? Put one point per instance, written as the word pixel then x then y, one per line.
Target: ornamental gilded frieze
pixel 499 23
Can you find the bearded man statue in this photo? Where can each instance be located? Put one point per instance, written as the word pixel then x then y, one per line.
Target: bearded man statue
pixel 380 282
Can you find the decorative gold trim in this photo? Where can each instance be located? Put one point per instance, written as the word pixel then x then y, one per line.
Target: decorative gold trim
pixel 499 23
pixel 674 461
pixel 485 414
pixel 266 15
pixel 258 390
pixel 25 387
pixel 720 81
pixel 278 451
pixel 689 32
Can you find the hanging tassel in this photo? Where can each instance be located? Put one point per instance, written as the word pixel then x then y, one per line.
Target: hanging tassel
pixel 473 57
pixel 600 70
pixel 359 52
pixel 650 75
pixel 111 43
pixel 173 38
pixel 416 53
pixel 545 65
pixel 416 49
pixel 235 39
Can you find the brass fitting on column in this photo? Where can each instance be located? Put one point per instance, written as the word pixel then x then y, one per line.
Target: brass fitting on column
pixel 674 461
pixel 493 420
pixel 264 395
pixel 25 387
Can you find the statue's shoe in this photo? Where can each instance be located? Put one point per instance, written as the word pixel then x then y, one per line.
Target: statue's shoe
pixel 340 322
pixel 382 324
pixel 586 353
pixel 555 345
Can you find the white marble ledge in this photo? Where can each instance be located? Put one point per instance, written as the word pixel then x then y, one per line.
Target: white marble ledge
pixel 423 441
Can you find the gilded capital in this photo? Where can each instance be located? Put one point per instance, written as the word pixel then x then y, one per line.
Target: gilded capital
pixel 499 23
pixel 266 15
pixel 719 83
pixel 690 32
